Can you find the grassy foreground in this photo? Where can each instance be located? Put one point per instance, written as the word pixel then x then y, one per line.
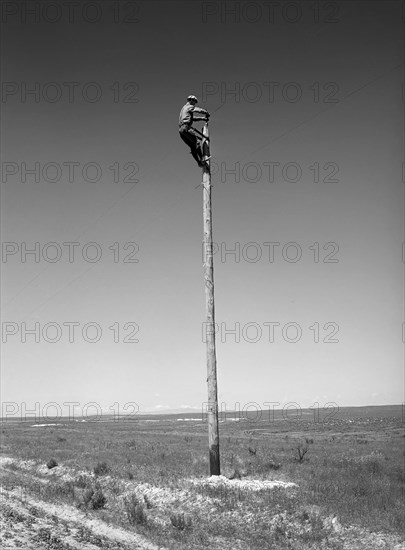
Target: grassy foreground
pixel 84 484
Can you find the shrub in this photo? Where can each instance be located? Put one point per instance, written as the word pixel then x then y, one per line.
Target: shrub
pixel 300 452
pixel 147 501
pixel 44 534
pixel 12 514
pixel 374 467
pixel 94 498
pixel 81 481
pixel 51 540
pixel 51 463
pixel 98 499
pixel 135 510
pixel 84 533
pixel 180 521
pixel 101 469
pixel 271 465
pixel 88 495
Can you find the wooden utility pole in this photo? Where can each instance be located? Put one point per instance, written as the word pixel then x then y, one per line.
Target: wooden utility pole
pixel 213 433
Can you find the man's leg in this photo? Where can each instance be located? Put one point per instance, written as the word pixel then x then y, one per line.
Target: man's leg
pixel 190 137
pixel 197 142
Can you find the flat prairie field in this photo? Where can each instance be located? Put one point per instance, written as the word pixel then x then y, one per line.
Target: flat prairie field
pixel 317 480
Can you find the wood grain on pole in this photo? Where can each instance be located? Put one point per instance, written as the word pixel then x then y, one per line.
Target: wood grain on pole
pixel 213 432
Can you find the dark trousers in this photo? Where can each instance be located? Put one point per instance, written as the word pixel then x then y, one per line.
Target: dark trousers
pixel 192 139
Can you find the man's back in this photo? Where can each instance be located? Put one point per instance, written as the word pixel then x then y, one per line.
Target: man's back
pixel 186 114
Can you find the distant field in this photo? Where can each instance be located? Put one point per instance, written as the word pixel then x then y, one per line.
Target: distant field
pixel 338 482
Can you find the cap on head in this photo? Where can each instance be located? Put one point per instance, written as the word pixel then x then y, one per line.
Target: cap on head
pixel 192 98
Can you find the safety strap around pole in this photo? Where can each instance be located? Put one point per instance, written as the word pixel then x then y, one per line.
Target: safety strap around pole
pixel 201 134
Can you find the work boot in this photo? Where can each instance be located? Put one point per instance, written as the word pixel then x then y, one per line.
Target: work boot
pixel 197 158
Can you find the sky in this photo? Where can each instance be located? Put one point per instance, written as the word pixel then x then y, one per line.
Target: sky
pixel 307 142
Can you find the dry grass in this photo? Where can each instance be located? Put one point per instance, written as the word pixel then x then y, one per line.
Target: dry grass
pixel 350 480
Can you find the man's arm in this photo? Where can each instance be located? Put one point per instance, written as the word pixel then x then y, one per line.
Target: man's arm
pixel 199 118
pixel 203 111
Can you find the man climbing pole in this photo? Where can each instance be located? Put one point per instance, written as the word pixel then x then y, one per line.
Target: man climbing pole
pixel 190 135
